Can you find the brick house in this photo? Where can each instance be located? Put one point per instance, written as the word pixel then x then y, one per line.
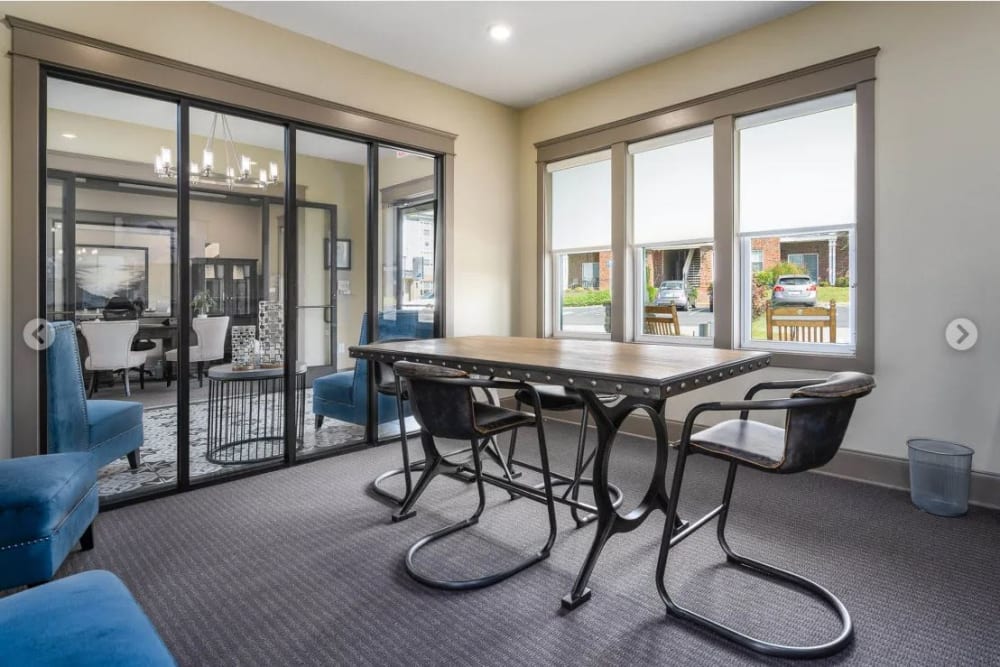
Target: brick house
pixel 692 265
pixel 590 270
pixel 825 258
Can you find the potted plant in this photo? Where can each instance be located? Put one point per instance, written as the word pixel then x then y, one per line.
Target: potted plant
pixel 202 303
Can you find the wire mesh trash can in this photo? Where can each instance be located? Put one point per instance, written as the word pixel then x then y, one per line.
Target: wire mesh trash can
pixel 939 476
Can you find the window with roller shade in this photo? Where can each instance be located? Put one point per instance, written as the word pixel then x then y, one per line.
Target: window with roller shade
pixel 796 220
pixel 580 244
pixel 672 234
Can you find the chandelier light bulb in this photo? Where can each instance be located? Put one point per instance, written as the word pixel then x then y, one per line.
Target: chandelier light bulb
pixel 208 160
pixel 165 156
pixel 263 176
pixel 274 171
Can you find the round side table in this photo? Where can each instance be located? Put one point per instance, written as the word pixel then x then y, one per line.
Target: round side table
pixel 246 413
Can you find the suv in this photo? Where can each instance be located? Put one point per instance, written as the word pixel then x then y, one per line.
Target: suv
pixel 799 290
pixel 673 293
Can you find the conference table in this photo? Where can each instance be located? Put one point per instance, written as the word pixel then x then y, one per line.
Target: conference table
pixel 641 376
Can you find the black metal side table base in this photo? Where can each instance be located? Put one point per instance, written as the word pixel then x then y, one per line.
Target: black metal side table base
pixel 246 414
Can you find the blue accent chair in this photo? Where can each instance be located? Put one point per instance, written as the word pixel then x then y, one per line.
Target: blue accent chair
pixel 108 430
pixel 88 619
pixel 47 504
pixel 344 395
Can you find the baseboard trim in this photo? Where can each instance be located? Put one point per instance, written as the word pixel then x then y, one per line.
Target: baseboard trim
pixel 887 471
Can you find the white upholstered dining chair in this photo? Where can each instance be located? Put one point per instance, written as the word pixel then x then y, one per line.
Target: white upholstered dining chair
pixel 211 332
pixel 109 347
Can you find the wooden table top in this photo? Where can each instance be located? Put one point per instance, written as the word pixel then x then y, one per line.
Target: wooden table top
pixel 635 369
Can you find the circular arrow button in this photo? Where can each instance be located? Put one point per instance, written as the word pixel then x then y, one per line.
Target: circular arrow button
pixel 38 334
pixel 961 334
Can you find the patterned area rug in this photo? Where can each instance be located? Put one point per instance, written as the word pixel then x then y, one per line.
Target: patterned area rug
pixel 158 456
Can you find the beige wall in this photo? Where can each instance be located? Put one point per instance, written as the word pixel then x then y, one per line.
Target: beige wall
pixel 213 37
pixel 937 197
pixel 6 326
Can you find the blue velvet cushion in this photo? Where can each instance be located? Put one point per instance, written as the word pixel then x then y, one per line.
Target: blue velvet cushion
pixel 107 419
pixel 83 620
pixel 38 492
pixel 337 387
pixel 66 398
pixel 46 504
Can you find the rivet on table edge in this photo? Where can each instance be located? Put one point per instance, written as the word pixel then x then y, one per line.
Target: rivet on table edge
pixel 645 390
pixel 618 387
pixel 570 381
pixel 593 383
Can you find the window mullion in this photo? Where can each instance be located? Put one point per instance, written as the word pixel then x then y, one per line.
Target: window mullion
pixel 725 287
pixel 621 288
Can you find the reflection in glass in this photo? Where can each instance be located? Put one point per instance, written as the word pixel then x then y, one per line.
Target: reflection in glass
pixel 111 269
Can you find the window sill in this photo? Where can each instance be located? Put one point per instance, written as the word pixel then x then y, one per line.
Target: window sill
pixel 813 360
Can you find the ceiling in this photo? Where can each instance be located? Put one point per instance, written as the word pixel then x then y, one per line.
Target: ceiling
pixel 556 47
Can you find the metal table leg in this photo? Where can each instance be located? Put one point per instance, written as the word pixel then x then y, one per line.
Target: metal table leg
pixel 609 418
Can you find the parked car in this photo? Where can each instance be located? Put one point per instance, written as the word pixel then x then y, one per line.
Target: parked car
pixel 673 293
pixel 797 290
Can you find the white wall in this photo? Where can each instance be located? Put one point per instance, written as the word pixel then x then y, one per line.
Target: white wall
pixel 937 197
pixel 211 36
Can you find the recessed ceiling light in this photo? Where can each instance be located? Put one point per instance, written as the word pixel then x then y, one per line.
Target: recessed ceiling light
pixel 500 32
pixel 68 135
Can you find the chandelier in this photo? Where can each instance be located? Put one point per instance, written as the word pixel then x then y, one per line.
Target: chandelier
pixel 239 168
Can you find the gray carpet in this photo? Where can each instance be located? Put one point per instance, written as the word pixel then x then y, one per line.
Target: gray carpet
pixel 302 566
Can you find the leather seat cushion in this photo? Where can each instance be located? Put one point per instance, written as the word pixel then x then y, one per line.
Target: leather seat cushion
pixel 552 397
pixel 756 444
pixel 493 419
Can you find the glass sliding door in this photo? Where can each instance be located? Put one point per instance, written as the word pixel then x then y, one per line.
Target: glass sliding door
pixel 235 375
pixel 331 185
pixel 111 270
pixel 407 254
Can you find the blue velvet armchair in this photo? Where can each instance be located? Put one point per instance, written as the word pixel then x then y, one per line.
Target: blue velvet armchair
pixel 344 396
pixel 107 430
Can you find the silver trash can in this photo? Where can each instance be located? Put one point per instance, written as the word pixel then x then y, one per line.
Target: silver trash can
pixel 939 476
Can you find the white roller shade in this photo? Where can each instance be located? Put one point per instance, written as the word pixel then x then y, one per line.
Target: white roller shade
pixel 672 190
pixel 581 206
pixel 797 166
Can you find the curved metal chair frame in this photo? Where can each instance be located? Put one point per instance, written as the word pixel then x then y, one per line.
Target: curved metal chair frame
pixel 387 383
pixel 671 536
pixel 582 513
pixel 436 463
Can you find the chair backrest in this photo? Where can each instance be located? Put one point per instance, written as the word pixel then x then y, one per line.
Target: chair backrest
pixel 802 325
pixel 66 398
pixel 120 308
pixel 441 406
pixel 109 343
pixel 661 321
pixel 814 433
pixel 211 333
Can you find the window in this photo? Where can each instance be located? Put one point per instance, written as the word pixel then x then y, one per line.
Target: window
pixel 580 238
pixel 796 221
pixel 672 230
pixel 751 212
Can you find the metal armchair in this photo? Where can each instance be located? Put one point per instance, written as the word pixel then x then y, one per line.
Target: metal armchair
pixel 443 404
pixel 817 415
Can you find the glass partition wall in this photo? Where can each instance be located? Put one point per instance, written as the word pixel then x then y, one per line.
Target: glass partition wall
pixel 408 250
pixel 195 266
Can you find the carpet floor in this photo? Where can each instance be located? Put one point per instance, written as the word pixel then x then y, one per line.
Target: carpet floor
pixel 303 567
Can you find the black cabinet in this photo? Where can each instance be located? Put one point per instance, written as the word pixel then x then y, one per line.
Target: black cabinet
pixel 232 284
